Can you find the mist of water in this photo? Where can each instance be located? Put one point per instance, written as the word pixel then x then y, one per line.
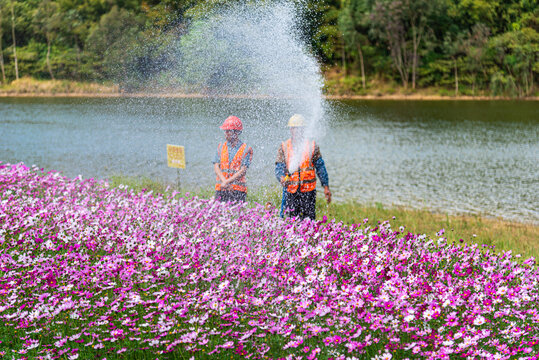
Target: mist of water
pixel 253 51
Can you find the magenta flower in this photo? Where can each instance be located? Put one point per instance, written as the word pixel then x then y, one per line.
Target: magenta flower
pixel 121 272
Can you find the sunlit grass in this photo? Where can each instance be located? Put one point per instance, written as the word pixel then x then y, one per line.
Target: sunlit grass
pixel 31 86
pixel 504 235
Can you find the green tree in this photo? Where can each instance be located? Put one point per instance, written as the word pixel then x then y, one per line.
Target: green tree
pixel 14 39
pixel 20 15
pixel 516 52
pixel 212 63
pixel 471 12
pixel 112 40
pixel 455 48
pixel 319 26
pixel 475 47
pixel 169 15
pixel 404 24
pixel 2 66
pixel 316 21
pixel 47 22
pixel 73 32
pixel 354 25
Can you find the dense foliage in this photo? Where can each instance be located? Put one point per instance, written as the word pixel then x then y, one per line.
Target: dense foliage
pixel 465 45
pixel 89 272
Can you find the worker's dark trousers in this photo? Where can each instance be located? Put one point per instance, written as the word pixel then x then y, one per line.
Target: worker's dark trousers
pixel 230 195
pixel 300 204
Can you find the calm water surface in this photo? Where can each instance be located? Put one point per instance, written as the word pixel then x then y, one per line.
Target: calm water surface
pixel 451 156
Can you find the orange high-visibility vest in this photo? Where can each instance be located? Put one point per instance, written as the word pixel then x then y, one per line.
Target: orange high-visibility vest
pixel 305 177
pixel 229 168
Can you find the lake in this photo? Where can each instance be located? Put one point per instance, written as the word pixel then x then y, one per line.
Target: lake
pixel 471 157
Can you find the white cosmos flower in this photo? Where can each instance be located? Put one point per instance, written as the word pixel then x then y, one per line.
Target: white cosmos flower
pixel 502 290
pixel 33 345
pixel 409 318
pixel 154 342
pixel 480 320
pixel 428 314
pixel 75 337
pixel 224 285
pixel 467 342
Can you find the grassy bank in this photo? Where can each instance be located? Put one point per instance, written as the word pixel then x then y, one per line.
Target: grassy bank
pixel 337 86
pixel 32 87
pixel 504 235
pixel 341 85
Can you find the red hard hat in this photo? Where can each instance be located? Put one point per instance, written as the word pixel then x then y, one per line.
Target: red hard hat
pixel 232 123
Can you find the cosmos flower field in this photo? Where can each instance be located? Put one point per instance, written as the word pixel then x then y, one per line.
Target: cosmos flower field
pixel 92 272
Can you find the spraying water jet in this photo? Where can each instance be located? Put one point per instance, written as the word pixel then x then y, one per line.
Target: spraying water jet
pixel 252 51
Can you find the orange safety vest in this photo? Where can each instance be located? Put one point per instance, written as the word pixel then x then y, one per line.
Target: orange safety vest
pixel 229 168
pixel 305 177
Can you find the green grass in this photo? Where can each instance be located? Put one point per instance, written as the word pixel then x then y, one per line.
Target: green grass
pixel 31 86
pixel 472 229
pixel 504 235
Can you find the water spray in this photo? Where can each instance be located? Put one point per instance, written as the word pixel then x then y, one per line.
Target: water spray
pixel 256 52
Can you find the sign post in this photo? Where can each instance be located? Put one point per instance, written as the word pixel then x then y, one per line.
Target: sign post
pixel 176 159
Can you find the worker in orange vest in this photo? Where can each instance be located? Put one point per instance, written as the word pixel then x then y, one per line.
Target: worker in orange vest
pixel 231 162
pixel 298 162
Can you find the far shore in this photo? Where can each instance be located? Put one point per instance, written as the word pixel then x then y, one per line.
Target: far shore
pixel 399 97
pixel 29 87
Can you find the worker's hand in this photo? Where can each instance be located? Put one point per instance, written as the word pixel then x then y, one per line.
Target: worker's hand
pixel 327 193
pixel 284 180
pixel 225 185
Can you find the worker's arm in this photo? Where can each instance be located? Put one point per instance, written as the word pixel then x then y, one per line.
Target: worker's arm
pixel 218 172
pixel 280 173
pixel 225 183
pixel 245 162
pixel 240 173
pixel 320 167
pixel 216 165
pixel 280 167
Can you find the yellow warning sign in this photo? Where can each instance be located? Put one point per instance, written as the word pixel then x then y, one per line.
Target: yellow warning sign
pixel 176 156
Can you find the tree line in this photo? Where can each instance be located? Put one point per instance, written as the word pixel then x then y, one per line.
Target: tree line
pixel 468 46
